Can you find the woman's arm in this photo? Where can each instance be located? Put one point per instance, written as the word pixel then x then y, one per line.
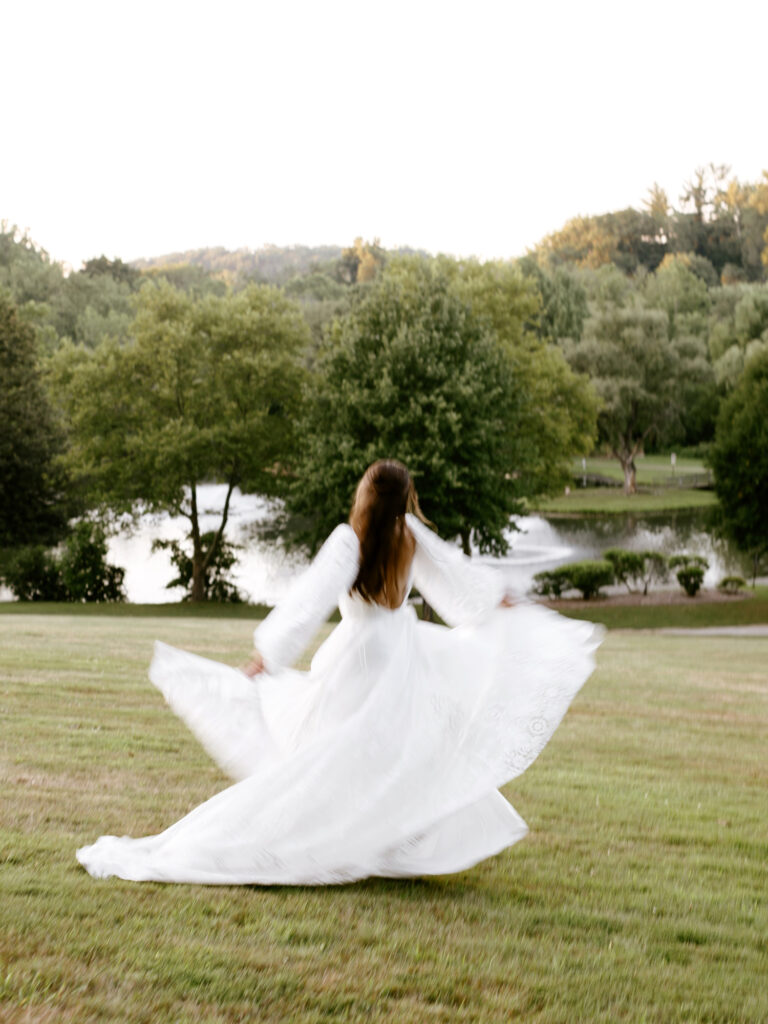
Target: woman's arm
pixel 456 587
pixel 287 630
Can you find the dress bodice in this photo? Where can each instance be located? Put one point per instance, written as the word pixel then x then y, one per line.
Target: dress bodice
pixel 351 604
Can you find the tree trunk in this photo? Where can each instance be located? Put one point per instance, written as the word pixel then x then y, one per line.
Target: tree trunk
pixel 198 576
pixel 465 546
pixel 198 558
pixel 630 474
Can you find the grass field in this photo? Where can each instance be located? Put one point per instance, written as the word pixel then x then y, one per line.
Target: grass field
pixel 639 895
pixel 662 488
pixel 692 614
pixel 652 470
pixel 598 501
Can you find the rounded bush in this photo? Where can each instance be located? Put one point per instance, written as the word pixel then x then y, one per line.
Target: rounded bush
pixel 552 582
pixel 590 576
pixel 731 584
pixel 690 578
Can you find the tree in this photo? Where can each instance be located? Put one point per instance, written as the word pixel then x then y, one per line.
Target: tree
pixel 556 409
pixel 638 373
pixel 34 500
pixel 360 262
pixel 564 306
pixel 208 391
pixel 739 460
pixel 415 372
pixel 738 330
pixel 121 272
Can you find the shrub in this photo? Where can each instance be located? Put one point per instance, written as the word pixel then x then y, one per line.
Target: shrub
pixel 79 573
pixel 627 566
pixel 678 560
pixel 732 584
pixel 217 586
pixel 690 579
pixel 690 572
pixel 552 582
pixel 85 572
pixel 590 576
pixel 637 567
pixel 655 567
pixel 33 574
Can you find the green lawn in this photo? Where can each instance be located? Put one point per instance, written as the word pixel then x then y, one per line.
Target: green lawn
pixel 662 488
pixel 691 614
pixel 639 895
pixel 652 470
pixel 600 501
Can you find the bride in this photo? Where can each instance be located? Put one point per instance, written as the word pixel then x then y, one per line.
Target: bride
pixel 386 757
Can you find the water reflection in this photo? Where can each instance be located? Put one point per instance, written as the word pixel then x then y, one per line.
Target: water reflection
pixel 558 541
pixel 264 573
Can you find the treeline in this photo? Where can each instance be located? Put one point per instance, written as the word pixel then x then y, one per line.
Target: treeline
pixel 719 223
pixel 126 384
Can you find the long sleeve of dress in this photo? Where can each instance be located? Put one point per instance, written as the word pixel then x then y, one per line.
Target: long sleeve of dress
pixel 456 587
pixel 290 626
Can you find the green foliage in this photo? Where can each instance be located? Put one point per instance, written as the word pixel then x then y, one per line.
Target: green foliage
pixel 85 573
pixel 739 460
pixel 121 272
pixel 738 330
pixel 732 584
pixel 33 574
pixel 690 571
pixel 552 582
pixel 587 576
pixel 719 225
pixel 627 566
pixel 425 369
pixel 26 271
pixel 640 375
pixel 690 578
pixel 216 585
pixel 637 567
pixel 564 306
pixel 80 573
pixel 208 391
pixel 34 501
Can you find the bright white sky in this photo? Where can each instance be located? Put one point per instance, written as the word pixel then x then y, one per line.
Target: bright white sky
pixel 469 127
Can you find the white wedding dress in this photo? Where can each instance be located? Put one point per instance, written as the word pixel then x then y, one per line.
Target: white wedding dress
pixel 386 757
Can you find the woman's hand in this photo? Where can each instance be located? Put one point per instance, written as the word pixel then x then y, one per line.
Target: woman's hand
pixel 255 665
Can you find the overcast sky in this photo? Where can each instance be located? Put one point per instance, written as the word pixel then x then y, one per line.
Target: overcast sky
pixel 472 127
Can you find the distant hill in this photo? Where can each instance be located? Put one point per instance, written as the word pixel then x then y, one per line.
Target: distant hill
pixel 273 263
pixel 270 263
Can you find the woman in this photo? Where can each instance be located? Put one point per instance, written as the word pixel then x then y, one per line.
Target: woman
pixel 386 757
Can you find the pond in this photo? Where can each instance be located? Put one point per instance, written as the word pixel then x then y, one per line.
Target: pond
pixel 264 573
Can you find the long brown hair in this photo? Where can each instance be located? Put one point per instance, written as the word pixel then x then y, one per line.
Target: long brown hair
pixel 383 496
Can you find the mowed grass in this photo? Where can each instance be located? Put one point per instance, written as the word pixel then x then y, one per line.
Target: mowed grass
pixel 749 609
pixel 599 501
pixel 662 487
pixel 652 470
pixel 639 896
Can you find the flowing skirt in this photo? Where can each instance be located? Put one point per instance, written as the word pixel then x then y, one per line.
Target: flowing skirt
pixel 383 760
